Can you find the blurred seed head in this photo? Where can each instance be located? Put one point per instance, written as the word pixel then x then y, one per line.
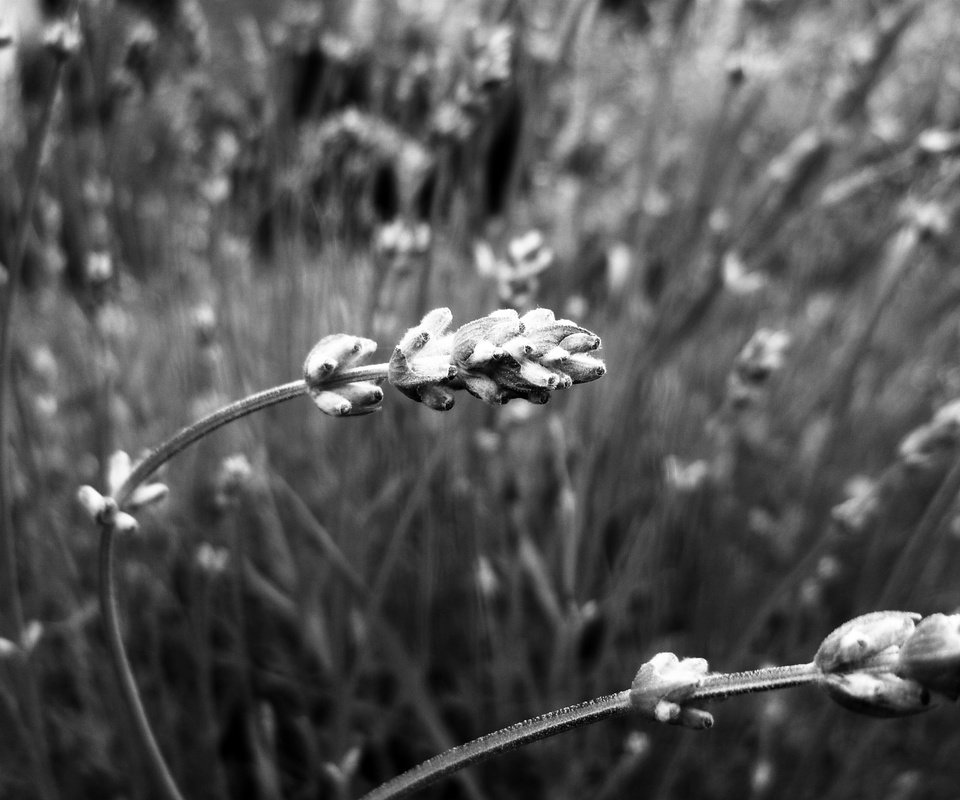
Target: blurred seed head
pixel 210 559
pixel 62 38
pixel 933 443
pixel 683 477
pixel 232 478
pixel 402 244
pixel 860 508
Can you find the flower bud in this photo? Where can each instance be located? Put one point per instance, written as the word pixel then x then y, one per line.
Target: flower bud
pixel 349 400
pixel 661 686
pixel 332 354
pixel 146 495
pixel 94 503
pixel 881 694
pixel 931 655
pixel 421 362
pixel 124 523
pixel 856 642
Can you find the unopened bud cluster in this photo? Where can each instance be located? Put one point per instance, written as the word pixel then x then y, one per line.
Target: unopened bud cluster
pixel 331 356
pixel 497 358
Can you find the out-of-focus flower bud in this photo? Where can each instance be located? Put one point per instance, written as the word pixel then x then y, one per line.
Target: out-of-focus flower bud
pixel 661 686
pixel 94 503
pixel 420 366
pixel 124 523
pixel 32 634
pixel 62 38
pixel 212 559
pixel 931 654
pixel 119 467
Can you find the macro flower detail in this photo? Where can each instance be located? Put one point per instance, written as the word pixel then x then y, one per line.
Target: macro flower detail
pixel 663 683
pixel 326 362
pixel 420 366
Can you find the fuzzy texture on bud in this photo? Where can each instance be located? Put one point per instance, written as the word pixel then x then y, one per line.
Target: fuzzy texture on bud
pixel 420 366
pixel 330 357
pixel 504 356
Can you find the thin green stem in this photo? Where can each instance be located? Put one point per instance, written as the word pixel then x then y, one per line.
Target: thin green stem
pixel 502 741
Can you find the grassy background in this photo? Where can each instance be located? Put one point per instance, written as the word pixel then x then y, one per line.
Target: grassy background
pixel 700 170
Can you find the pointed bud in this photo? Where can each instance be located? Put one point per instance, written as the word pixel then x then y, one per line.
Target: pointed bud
pixel 582 368
pixel 931 655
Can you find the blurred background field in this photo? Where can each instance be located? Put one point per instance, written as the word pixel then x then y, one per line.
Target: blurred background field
pixel 752 202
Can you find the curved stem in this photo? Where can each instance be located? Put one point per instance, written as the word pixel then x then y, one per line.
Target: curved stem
pixel 128 686
pixel 107 589
pixel 502 741
pixel 197 430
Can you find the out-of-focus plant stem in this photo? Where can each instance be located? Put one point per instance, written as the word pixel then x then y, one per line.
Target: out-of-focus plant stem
pixel 39 755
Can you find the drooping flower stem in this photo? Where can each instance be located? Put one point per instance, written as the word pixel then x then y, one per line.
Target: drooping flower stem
pixel 241 408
